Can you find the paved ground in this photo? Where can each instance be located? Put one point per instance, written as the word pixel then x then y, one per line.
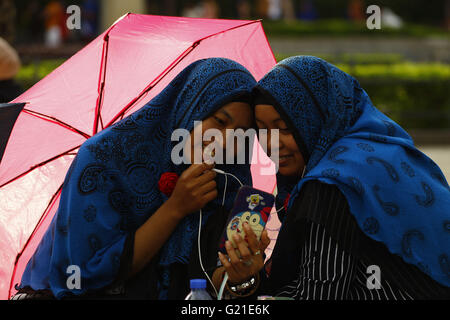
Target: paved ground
pixel 440 155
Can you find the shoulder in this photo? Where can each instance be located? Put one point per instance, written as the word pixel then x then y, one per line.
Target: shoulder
pixel 325 205
pixel 321 203
pixel 320 195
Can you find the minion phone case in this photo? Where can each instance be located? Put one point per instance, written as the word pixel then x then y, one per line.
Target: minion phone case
pixel 252 206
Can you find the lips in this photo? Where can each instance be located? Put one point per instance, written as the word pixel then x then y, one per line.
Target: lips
pixel 283 159
pixel 285 156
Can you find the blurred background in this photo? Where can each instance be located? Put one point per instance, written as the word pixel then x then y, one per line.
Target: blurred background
pixel 404 66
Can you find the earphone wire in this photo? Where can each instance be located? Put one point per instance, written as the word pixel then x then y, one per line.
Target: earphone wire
pixel 225 190
pixel 200 253
pixel 303 174
pixel 230 174
pixel 218 295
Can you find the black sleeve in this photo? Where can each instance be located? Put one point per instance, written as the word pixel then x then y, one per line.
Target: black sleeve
pixel 117 287
pixel 325 272
pixel 316 245
pixel 326 205
pixel 126 259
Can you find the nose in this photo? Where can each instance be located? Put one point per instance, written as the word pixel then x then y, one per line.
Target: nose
pixel 213 144
pixel 222 140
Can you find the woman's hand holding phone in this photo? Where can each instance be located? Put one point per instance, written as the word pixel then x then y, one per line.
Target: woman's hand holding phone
pixel 246 260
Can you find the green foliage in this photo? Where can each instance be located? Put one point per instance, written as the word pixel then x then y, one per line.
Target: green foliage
pixel 356 58
pixel 412 104
pixel 33 72
pixel 413 94
pixel 407 71
pixel 416 95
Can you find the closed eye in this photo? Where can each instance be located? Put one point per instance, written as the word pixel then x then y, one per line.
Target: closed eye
pixel 260 124
pixel 220 121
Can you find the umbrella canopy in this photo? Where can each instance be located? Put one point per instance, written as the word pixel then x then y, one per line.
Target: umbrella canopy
pixel 113 76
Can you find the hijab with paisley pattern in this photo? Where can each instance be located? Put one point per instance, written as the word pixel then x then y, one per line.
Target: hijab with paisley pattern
pixel 112 185
pixel 397 194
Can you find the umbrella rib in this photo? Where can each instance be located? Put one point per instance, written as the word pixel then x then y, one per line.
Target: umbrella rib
pixel 232 28
pixel 170 68
pixel 102 82
pixel 41 219
pixel 55 121
pixel 39 165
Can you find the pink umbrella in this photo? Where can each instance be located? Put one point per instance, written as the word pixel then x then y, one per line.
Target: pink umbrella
pixel 113 76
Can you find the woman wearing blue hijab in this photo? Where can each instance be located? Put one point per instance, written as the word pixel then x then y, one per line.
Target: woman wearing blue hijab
pixel 367 214
pixel 128 217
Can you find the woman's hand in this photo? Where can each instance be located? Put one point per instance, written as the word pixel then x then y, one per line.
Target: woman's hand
pixel 194 189
pixel 251 259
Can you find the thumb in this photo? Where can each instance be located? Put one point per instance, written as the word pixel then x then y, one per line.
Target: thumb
pixel 265 240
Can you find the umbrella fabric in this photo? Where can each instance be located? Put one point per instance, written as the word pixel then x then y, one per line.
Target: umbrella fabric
pixel 113 76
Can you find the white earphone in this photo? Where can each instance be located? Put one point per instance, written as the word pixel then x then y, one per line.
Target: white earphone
pixel 218 294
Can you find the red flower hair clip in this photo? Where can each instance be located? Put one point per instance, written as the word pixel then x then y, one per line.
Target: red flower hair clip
pixel 167 183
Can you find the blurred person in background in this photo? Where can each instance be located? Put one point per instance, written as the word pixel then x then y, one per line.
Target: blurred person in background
pixel 9 66
pixel 307 10
pixel 288 10
pixel 390 19
pixel 90 16
pixel 274 10
pixel 55 24
pixel 244 9
pixel 447 15
pixel 210 9
pixel 262 8
pixel 355 11
pixel 192 9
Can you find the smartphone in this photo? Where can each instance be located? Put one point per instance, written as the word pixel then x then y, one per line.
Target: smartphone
pixel 252 206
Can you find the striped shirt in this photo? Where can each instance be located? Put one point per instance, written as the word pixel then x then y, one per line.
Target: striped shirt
pixel 321 254
pixel 327 272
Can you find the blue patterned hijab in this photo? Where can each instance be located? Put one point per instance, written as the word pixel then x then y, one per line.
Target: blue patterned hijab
pixel 397 194
pixel 112 185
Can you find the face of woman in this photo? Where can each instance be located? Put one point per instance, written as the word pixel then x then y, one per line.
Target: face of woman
pixel 234 115
pixel 291 162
